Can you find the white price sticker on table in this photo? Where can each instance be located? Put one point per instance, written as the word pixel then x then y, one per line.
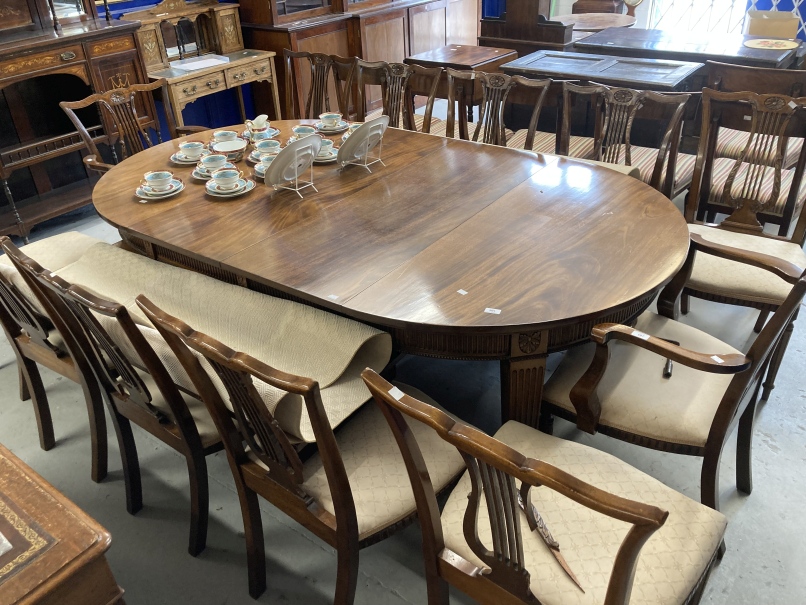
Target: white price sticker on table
pixel 492 311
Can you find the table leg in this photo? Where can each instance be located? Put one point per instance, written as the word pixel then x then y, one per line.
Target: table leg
pixel 241 105
pixel 522 376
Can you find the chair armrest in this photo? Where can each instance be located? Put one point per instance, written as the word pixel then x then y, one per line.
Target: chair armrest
pixel 727 363
pixel 190 129
pixel 91 161
pixel 787 271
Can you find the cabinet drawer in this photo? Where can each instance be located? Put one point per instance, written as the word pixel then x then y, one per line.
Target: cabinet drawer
pixel 198 87
pixel 39 61
pixel 257 70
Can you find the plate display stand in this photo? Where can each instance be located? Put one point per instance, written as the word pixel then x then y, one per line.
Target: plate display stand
pixel 359 147
pixel 291 163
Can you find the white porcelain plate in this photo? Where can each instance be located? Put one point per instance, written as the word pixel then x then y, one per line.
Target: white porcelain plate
pixel 146 193
pixel 183 160
pixel 244 186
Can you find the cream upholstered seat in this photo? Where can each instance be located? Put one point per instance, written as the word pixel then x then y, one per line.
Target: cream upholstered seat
pixel 545 142
pixel 731 143
pixel 671 563
pixel 635 397
pixel 723 277
pixel 380 485
pixel 719 176
pixel 290 336
pixel 54 253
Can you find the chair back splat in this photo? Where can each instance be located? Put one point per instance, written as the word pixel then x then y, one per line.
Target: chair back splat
pixel 496 471
pixel 317 100
pixel 753 188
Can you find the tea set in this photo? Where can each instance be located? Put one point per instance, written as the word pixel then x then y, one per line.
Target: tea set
pixel 214 163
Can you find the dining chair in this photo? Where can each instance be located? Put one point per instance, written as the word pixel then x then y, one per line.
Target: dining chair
pixel 613 113
pixel 725 77
pixel 495 89
pixel 759 190
pixel 671 387
pixel 351 493
pixel 316 79
pixel 125 108
pixel 537 519
pixel 137 386
pixel 398 81
pixel 37 340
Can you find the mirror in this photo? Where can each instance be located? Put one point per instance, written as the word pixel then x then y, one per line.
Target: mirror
pixel 170 38
pixel 205 36
pixel 68 8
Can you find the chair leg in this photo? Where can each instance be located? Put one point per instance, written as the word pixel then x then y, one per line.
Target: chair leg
pixel 25 393
pixel 762 319
pixel 546 421
pixel 199 502
pixel 32 381
pixel 685 299
pixel 129 461
pixel 253 531
pixel 744 450
pixel 775 362
pixel 709 481
pixel 347 574
pixel 95 410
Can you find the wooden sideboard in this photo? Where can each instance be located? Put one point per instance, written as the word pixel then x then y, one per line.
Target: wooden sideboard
pixel 51 552
pixel 91 55
pixel 175 30
pixel 374 30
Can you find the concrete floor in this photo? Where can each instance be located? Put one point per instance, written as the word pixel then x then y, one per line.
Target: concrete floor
pixel 765 536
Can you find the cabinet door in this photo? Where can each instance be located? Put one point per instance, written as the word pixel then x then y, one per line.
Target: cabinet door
pixel 427 27
pixel 462 22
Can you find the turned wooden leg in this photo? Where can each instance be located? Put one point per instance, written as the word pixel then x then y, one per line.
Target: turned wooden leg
pixel 199 502
pixel 777 357
pixel 522 378
pixel 744 450
pixel 762 319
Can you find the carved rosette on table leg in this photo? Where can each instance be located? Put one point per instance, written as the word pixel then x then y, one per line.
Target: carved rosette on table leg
pixel 522 377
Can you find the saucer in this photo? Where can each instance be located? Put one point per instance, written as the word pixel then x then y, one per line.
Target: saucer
pixel 248 185
pixel 255 155
pixel 259 171
pixel 340 127
pixel 145 192
pixel 328 158
pixel 201 171
pixel 270 133
pixel 183 160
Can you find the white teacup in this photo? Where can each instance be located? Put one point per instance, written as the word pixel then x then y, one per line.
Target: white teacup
pixel 353 128
pixel 327 147
pixel 266 159
pixel 331 120
pixel 214 161
pixel 303 131
pixel 191 149
pixel 268 146
pixel 225 135
pixel 159 180
pixel 227 178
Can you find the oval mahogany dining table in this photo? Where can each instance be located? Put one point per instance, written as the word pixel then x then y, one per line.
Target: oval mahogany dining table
pixel 460 250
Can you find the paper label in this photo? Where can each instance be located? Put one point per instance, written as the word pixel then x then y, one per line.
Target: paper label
pixel 492 311
pixel 396 393
pixel 793 105
pixel 717 359
pixel 748 118
pixel 640 335
pixel 333 296
pixel 462 292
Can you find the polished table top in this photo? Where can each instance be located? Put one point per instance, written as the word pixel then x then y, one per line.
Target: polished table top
pixel 684 46
pixel 531 241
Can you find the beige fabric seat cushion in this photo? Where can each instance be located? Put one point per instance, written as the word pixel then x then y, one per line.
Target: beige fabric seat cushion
pixel 634 395
pixel 286 335
pixel 204 422
pixel 52 253
pixel 719 177
pixel 670 564
pixel 730 143
pixel 376 470
pixel 724 277
pixel 418 119
pixel 578 147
